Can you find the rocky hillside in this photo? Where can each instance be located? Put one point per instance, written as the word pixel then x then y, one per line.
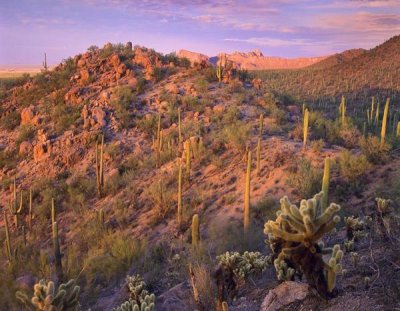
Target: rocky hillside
pixel 254 60
pixel 123 161
pixel 338 59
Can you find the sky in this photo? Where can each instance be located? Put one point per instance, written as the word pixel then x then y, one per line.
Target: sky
pixel 285 28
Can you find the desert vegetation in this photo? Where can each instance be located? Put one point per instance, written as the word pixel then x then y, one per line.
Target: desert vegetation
pixel 133 180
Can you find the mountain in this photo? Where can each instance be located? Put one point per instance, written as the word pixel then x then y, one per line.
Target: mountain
pixel 356 74
pixel 254 60
pixel 338 58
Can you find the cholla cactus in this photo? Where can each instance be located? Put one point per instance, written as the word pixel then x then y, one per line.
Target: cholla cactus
pixel 283 271
pixel 335 267
pixel 353 225
pixel 294 234
pixel 46 298
pixel 383 205
pixel 140 299
pixel 244 265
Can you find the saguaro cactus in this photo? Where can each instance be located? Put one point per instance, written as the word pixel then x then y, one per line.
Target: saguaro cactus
pixel 325 183
pixel 246 214
pixel 187 155
pixel 100 167
pixel 195 231
pixel 220 68
pixel 45 62
pixel 13 206
pixel 260 125
pixel 159 140
pixel 305 128
pixel 179 216
pixel 179 127
pixel 259 157
pixel 8 242
pixel 30 209
pixel 342 110
pixel 384 122
pixel 56 243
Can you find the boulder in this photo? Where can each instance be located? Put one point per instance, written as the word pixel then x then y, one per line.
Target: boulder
pixel 285 294
pixel 172 88
pixel 84 76
pixel 219 108
pixel 41 151
pixel 27 115
pixel 115 61
pixel 99 116
pixel 25 147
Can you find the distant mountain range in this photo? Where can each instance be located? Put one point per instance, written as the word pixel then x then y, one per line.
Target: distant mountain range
pixel 254 60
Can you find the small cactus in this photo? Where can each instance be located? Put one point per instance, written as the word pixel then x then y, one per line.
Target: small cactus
pixel 30 209
pixel 46 298
pixel 334 267
pixel 283 271
pixel 259 157
pixel 342 111
pixel 14 207
pixel 179 127
pixel 8 242
pixel 179 213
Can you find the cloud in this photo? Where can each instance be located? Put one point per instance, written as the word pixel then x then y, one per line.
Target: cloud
pixel 273 42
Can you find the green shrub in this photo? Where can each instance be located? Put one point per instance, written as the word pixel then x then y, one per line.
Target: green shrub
pixel 237 134
pixel 10 121
pixel 26 133
pixel 123 97
pixel 371 148
pixel 64 116
pixel 305 178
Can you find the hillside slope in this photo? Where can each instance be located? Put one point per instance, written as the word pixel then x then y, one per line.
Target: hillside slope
pixel 161 119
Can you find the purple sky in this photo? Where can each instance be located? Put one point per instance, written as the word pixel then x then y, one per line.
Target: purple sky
pixel 287 28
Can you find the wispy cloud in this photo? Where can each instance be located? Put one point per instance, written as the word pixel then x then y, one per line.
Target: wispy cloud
pixel 272 42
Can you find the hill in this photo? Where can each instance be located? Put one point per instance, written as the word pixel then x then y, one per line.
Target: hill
pixel 358 76
pixel 193 167
pixel 338 58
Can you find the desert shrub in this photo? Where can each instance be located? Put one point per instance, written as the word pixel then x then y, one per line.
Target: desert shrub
pixel 349 136
pixel 123 97
pixel 280 155
pixel 159 73
pixel 317 145
pixel 162 199
pixel 323 128
pixel 201 85
pixel 352 168
pixel 237 134
pixel 235 86
pixel 8 159
pixel 210 74
pixel 305 178
pixel 79 190
pixel 26 133
pixel 64 116
pixel 148 124
pixel 264 209
pixel 10 120
pixel 371 148
pixel 229 237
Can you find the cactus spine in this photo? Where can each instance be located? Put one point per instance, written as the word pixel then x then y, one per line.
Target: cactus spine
pixel 195 231
pixel 246 220
pixel 179 217
pixel 56 243
pixel 325 183
pixel 305 128
pixel 384 121
pixel 8 242
pixel 99 167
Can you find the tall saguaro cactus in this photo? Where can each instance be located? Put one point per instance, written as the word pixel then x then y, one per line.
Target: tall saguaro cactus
pixel 342 111
pixel 56 243
pixel 45 62
pixel 188 164
pixel 8 242
pixel 159 140
pixel 14 207
pixel 384 122
pixel 179 216
pixel 305 127
pixel 325 183
pixel 260 125
pixel 179 127
pixel 30 209
pixel 100 167
pixel 246 214
pixel 259 157
pixel 195 231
